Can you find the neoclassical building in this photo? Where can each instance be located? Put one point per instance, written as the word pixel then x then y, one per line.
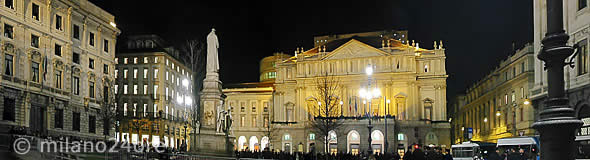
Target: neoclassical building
pixel 57 67
pixel 155 95
pixel 577 79
pixel 497 106
pixel 411 78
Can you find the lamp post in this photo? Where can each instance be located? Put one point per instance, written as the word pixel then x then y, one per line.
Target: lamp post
pixel 369 95
pixel 557 122
pixel 386 114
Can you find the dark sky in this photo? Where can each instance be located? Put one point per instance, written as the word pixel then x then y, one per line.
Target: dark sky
pixel 476 34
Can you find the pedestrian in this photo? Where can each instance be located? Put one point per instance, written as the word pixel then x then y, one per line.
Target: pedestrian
pixel 495 155
pixel 447 155
pixel 408 155
pixel 513 155
pixel 418 154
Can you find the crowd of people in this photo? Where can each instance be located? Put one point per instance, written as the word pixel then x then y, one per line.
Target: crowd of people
pixel 430 153
pixel 510 154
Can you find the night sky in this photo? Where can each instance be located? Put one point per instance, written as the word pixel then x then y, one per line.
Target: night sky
pixel 476 34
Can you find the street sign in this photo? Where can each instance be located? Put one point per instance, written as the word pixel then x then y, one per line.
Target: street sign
pixel 470 133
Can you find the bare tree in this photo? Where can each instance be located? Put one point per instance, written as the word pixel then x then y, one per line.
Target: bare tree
pixel 194 57
pixel 327 107
pixel 108 107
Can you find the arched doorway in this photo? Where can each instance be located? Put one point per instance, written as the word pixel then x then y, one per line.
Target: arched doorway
pixel 254 146
pixel 242 143
pixel 431 139
pixel 353 141
pixel 287 143
pixel 377 141
pixel 402 143
pixel 332 142
pixel 264 143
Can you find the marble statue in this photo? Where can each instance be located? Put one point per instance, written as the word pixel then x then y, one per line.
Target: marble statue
pixel 212 58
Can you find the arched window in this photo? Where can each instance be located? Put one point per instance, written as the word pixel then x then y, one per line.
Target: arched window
pixel 377 141
pixel 242 143
pixel 254 146
pixel 264 143
pixel 353 142
pixel 332 142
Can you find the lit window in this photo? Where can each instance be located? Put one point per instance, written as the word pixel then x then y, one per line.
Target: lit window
pixel 400 137
pixel 116 88
pixel 155 91
pixel 125 71
pixel 135 60
pixel 287 137
pixel 124 89
pixel 91 39
pixel 125 60
pixel 311 136
pixel 166 75
pixel 135 89
pixel 134 73
pixel 145 89
pixel 155 109
pixel 155 59
pixel 124 109
pixel 145 59
pixel 155 73
pixel 145 73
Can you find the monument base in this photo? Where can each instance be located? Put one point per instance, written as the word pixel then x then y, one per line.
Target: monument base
pixel 215 144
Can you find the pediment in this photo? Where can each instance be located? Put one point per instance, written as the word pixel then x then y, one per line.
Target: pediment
pixel 354 49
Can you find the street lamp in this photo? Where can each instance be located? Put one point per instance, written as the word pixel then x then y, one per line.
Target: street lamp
pixel 369 95
pixel 557 121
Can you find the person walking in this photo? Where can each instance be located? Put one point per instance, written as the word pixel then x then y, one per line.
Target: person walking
pixel 495 155
pixel 408 155
pixel 447 155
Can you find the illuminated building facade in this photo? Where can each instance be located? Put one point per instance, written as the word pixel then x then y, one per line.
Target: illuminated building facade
pixel 498 106
pixel 57 67
pixel 155 94
pixel 413 79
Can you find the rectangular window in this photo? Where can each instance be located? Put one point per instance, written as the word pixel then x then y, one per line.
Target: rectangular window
pixel 582 57
pixel 125 71
pixel 8 31
pixel 124 89
pixel 145 89
pixel 76 86
pixel 105 69
pixel 145 59
pixel 144 109
pixel 58 79
pixel 134 109
pixel 91 90
pixel 90 63
pixel 76 121
pixel 116 88
pixel 91 124
pixel 522 69
pixel 91 39
pixel 167 75
pixel 166 112
pixel 135 89
pixel 155 73
pixel 34 41
pixel 9 4
pixel 135 60
pixel 582 4
pixel 155 91
pixel 134 73
pixel 105 46
pixel 35 74
pixel 155 59
pixel 35 11
pixel 124 109
pixel 58 22
pixel 57 49
pixel 243 120
pixel 166 93
pixel 8 62
pixel 116 73
pixel 76 58
pixel 9 109
pixel 155 110
pixel 145 73
pixel 59 115
pixel 76 31
pixel 125 60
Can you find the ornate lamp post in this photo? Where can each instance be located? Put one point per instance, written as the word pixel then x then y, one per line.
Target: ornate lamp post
pixel 369 95
pixel 557 122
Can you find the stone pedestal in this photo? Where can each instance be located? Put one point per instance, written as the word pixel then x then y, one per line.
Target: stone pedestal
pixel 209 141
